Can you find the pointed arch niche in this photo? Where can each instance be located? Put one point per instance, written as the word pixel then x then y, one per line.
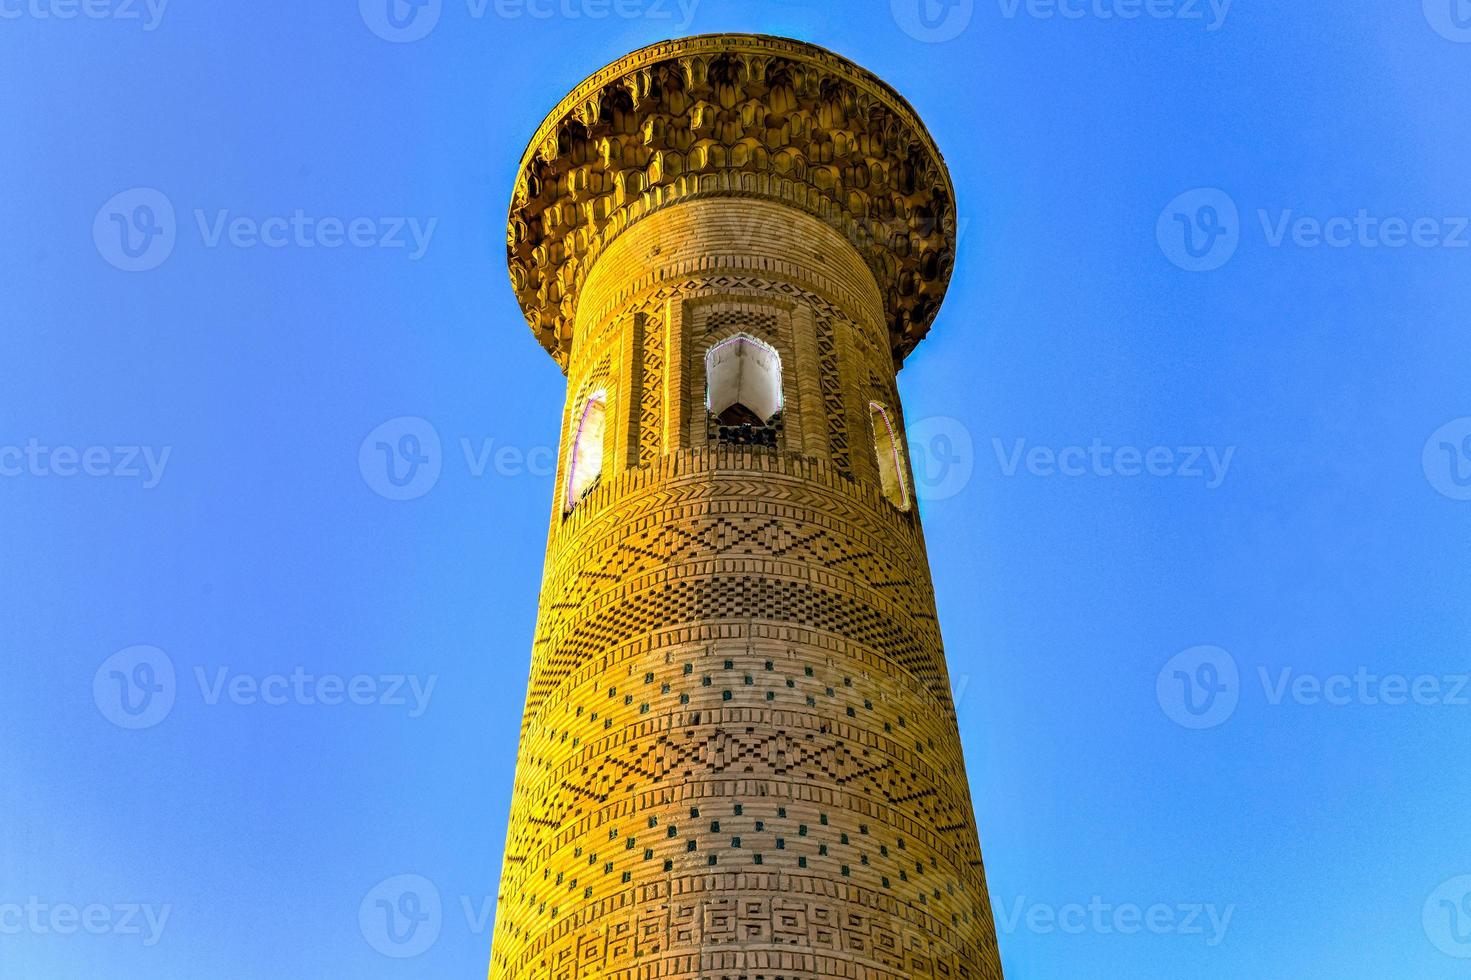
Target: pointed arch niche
pixel 585 464
pixel 888 448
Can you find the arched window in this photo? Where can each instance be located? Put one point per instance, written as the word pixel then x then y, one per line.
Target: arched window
pixel 586 463
pixel 743 389
pixel 888 447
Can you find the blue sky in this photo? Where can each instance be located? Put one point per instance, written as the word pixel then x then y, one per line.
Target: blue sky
pixel 1193 431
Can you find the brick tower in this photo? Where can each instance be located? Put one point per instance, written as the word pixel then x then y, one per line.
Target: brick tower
pixel 740 757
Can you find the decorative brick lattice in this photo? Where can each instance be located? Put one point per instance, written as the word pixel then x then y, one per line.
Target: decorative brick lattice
pixel 651 403
pixel 832 393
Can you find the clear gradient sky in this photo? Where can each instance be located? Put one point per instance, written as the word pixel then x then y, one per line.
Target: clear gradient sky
pixel 1122 775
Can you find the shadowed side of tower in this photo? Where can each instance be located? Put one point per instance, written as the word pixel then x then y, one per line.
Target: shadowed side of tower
pixel 739 756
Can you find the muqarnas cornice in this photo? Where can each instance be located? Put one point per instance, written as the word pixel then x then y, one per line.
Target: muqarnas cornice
pixel 732 116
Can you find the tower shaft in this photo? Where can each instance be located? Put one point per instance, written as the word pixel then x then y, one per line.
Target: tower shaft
pixel 740 756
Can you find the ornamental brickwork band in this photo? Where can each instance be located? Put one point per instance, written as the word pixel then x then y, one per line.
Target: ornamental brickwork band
pixel 740 757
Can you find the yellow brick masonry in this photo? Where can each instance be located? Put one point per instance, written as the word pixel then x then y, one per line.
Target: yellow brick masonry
pixel 739 757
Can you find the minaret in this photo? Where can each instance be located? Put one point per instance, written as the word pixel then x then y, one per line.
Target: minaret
pixel 740 756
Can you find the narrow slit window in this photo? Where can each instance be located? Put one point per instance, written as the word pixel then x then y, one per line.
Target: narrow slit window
pixel 586 464
pixel 743 389
pixel 889 449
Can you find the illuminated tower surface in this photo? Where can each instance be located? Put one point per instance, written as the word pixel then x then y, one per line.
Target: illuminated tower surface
pixel 740 756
